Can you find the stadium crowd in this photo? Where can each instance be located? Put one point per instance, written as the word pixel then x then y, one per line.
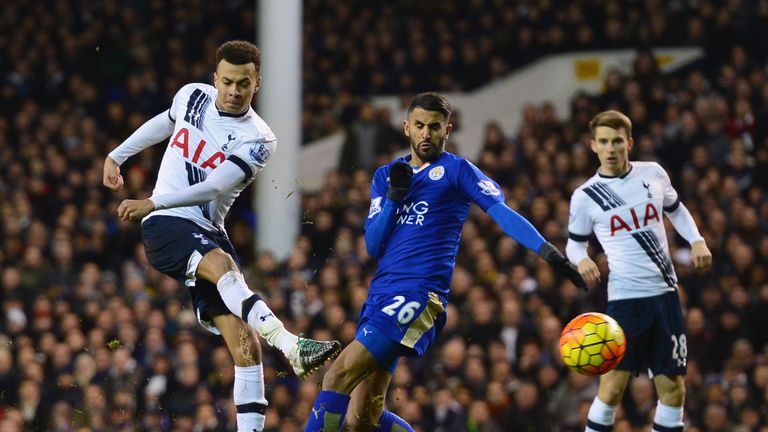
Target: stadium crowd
pixel 91 338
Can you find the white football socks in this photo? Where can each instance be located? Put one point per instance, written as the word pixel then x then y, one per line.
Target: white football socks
pixel 249 398
pixel 234 291
pixel 668 417
pixel 601 416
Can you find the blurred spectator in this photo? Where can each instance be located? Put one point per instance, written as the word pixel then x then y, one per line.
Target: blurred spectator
pixel 371 140
pixel 563 406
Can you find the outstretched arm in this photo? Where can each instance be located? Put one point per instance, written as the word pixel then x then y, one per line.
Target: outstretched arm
pixel 151 132
pixel 526 234
pixel 516 226
pixel 225 177
pixel 487 194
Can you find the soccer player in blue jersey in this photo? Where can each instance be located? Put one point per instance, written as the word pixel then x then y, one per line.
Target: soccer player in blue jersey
pixel 419 204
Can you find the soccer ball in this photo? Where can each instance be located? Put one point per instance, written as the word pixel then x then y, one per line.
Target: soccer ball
pixel 592 343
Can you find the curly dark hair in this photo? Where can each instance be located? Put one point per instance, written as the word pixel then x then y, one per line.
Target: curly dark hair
pixel 239 52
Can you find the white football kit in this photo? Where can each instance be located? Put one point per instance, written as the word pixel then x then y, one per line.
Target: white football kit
pixel 202 139
pixel 625 213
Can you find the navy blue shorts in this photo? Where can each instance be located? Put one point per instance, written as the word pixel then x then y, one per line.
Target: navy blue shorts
pixel 655 334
pixel 175 246
pixel 399 324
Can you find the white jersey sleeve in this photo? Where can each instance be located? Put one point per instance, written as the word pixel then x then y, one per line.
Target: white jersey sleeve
pixel 676 212
pixel 580 222
pixel 671 199
pixel 182 103
pixel 153 131
pixel 225 177
pixel 580 226
pixel 252 156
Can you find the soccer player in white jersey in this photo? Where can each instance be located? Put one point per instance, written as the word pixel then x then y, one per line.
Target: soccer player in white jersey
pixel 217 145
pixel 623 204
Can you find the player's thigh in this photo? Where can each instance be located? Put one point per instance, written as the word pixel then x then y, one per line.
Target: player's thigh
pixel 215 264
pixel 367 401
pixel 218 261
pixel 240 339
pixel 671 389
pixel 669 348
pixel 354 364
pixel 175 246
pixel 612 386
pixel 636 318
pixel 412 320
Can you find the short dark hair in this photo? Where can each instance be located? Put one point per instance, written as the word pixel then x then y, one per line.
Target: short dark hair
pixel 431 101
pixel 612 119
pixel 239 52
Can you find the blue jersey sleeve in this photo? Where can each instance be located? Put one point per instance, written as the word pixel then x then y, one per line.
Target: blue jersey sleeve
pixel 478 186
pixel 516 226
pixel 378 194
pixel 381 215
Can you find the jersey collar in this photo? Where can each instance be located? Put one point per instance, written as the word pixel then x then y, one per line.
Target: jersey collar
pixel 407 159
pixel 227 114
pixel 619 176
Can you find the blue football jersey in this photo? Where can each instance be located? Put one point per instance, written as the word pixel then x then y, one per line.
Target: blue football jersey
pixel 421 252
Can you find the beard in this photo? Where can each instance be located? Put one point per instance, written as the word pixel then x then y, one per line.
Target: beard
pixel 429 154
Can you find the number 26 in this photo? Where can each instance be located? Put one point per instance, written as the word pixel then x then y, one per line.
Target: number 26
pixel 406 313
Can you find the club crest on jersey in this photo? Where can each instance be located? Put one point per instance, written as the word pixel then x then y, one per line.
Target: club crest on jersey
pixel 488 188
pixel 375 207
pixel 259 153
pixel 436 173
pixel 647 187
pixel 230 137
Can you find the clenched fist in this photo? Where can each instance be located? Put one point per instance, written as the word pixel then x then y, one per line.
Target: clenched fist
pixel 135 210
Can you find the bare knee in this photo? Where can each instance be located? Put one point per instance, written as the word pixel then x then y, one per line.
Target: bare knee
pixel 337 379
pixel 672 393
pixel 215 264
pixel 612 387
pixel 610 394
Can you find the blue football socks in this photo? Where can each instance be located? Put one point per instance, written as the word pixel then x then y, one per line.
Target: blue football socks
pixel 328 412
pixel 391 423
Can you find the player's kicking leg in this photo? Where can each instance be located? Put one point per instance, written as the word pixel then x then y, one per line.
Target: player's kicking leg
pixel 248 390
pixel 305 355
